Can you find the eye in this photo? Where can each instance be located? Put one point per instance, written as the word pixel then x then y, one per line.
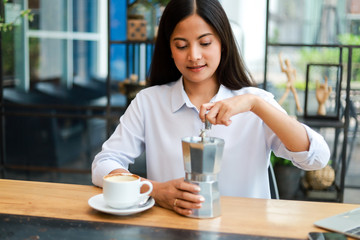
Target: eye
pixel 205 44
pixel 181 47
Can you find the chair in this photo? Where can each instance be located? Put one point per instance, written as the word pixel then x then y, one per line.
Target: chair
pixel 274 192
pixel 352 133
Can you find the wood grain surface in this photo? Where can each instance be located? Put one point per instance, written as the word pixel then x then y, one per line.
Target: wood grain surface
pixel 276 218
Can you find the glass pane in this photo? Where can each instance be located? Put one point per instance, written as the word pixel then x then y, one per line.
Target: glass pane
pixel 46 59
pixel 8 54
pixel 85 58
pixel 67 75
pixel 307 21
pixel 85 15
pixel 50 15
pixel 53 15
pixel 323 90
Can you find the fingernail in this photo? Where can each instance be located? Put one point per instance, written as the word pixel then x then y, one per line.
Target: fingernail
pixel 197 189
pixel 201 199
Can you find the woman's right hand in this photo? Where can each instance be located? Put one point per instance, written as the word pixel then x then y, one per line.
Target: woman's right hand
pixel 177 195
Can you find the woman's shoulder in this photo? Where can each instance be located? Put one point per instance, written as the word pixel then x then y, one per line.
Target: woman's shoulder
pixel 155 93
pixel 158 89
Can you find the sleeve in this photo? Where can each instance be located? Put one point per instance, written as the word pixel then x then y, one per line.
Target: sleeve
pixel 124 145
pixel 315 158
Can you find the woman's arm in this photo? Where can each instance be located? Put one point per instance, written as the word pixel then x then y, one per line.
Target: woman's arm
pixel 292 133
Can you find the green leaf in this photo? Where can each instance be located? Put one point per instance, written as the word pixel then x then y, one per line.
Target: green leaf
pixel 279 161
pixel 31 17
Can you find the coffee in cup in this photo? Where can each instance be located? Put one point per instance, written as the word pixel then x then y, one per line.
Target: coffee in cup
pixel 122 190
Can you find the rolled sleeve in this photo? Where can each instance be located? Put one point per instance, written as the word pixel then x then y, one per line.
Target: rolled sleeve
pixel 315 158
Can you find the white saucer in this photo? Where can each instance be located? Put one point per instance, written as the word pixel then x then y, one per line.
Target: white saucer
pixel 97 202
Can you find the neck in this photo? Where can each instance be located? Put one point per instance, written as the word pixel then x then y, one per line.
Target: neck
pixel 200 93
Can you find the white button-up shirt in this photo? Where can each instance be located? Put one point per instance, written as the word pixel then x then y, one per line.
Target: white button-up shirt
pixel 160 116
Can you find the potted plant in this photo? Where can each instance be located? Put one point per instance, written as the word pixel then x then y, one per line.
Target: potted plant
pixel 287 176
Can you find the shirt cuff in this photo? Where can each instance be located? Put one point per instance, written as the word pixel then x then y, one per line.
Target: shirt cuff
pixel 316 157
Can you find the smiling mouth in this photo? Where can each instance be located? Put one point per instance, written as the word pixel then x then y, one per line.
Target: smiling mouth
pixel 196 67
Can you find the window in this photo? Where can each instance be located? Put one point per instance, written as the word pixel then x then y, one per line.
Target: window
pixel 66 42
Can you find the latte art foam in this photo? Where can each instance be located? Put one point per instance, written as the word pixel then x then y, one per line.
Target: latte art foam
pixel 120 178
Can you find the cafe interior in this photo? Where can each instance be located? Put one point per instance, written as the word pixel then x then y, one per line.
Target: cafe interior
pixel 70 68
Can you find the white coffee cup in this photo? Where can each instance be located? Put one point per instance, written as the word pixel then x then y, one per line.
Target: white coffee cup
pixel 122 190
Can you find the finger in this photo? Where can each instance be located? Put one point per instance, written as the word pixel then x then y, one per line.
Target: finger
pixel 224 121
pixel 224 115
pixel 186 186
pixel 190 198
pixel 204 109
pixel 178 202
pixel 182 211
pixel 211 116
pixel 227 122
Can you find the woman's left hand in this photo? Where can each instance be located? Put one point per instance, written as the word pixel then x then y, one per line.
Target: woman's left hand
pixel 220 112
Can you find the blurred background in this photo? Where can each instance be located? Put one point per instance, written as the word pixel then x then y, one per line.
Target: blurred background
pixel 69 69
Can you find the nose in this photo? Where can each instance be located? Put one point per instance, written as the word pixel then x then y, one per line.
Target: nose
pixel 194 53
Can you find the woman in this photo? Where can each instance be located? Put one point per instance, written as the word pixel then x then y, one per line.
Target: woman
pixel 196 72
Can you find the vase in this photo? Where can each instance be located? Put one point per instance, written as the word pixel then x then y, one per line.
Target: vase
pixel 288 181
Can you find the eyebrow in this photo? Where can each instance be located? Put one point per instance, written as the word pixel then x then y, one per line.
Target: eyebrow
pixel 201 36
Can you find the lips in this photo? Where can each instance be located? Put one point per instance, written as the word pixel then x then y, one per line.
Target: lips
pixel 196 68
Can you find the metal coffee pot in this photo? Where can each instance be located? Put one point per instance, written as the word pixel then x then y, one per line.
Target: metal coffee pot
pixel 202 159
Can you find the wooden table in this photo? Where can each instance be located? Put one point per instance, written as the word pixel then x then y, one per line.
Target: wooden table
pixel 257 217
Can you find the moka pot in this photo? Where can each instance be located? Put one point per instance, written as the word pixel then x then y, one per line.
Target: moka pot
pixel 202 160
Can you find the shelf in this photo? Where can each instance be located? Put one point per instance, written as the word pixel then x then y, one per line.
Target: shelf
pixel 325 122
pixel 322 195
pixel 131 42
pixel 321 123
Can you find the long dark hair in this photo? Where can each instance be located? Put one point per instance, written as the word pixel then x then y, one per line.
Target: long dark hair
pixel 231 71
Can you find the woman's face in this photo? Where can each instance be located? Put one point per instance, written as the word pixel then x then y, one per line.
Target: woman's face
pixel 196 49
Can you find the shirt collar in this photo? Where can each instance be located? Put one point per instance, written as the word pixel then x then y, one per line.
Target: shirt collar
pixel 177 95
pixel 222 94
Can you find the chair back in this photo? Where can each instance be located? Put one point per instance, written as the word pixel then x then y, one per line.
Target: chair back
pixel 273 185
